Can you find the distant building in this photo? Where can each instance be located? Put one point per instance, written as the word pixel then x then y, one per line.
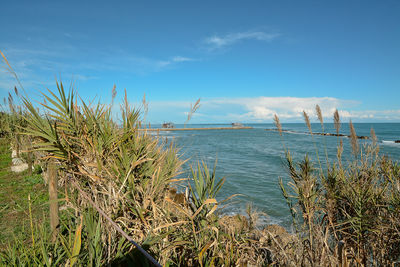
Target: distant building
pixel 237 124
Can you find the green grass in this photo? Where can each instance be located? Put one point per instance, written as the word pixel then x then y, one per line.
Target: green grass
pixel 14 204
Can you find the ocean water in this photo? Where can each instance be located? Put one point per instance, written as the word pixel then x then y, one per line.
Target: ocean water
pixel 252 160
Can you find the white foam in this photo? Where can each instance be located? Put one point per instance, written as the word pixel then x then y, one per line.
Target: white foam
pixel 390 143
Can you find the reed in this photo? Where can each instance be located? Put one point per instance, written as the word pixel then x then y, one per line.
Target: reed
pixel 353 140
pixel 348 216
pixel 193 109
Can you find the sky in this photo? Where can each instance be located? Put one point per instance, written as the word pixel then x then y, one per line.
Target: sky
pixel 245 60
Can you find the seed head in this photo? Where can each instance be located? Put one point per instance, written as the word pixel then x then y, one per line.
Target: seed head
pixel 319 114
pixel 373 136
pixel 307 119
pixel 336 120
pixel 353 139
pixel 278 124
pixel 114 92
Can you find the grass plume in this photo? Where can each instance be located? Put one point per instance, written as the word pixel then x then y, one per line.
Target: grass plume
pixel 193 109
pixel 336 121
pixel 353 139
pixel 278 124
pixel 307 120
pixel 319 114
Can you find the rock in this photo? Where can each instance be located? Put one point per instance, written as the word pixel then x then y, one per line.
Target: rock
pixel 397 141
pixel 178 198
pixel 18 161
pixel 278 233
pixel 19 168
pixel 236 223
pixel 276 230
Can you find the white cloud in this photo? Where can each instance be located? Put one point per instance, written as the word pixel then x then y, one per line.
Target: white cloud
pixel 221 41
pixel 262 109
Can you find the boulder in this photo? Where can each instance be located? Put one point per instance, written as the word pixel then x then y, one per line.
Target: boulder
pixel 235 223
pixel 19 168
pixel 278 233
pixel 18 161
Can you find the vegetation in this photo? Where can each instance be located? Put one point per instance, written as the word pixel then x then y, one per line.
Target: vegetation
pixel 192 110
pixel 129 175
pixel 14 202
pixel 347 213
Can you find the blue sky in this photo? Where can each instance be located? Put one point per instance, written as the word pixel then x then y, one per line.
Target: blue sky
pixel 246 60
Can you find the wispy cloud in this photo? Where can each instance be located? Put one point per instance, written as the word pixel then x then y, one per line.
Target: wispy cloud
pixel 216 42
pixel 181 59
pixel 174 60
pixel 37 66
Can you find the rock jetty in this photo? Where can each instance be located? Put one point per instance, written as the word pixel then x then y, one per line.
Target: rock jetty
pixel 324 134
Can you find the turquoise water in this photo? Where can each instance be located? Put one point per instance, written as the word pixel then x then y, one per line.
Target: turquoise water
pixel 251 160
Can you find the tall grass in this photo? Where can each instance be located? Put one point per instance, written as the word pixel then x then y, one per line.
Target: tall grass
pixel 346 213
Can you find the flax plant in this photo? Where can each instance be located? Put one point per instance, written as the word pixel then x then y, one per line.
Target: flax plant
pixel 128 174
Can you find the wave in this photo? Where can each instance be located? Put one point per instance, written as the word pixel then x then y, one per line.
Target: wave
pixel 390 143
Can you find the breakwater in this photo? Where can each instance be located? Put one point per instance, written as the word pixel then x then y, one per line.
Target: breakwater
pixel 194 129
pixel 324 134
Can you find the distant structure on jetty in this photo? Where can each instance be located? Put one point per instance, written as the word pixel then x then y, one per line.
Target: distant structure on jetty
pixel 168 125
pixel 194 129
pixel 237 124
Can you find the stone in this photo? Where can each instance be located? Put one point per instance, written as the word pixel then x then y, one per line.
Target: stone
pixel 236 223
pixel 279 233
pixel 18 161
pixel 19 168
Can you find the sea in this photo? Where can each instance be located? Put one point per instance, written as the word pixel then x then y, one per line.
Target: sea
pixel 252 160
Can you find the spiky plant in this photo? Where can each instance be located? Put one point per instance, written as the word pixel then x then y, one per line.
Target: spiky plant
pixel 127 174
